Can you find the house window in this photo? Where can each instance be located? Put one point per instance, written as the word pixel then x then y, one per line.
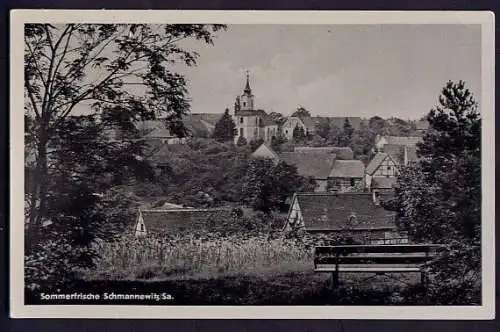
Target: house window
pixel 241 131
pixel 241 120
pixel 353 183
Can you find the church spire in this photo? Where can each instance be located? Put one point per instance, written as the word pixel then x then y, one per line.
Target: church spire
pixel 247 86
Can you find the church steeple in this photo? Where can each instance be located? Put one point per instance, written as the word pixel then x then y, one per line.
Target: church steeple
pixel 247 89
pixel 246 101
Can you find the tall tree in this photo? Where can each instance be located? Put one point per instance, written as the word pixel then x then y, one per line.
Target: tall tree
pixel 278 118
pixel 439 200
pixel 301 112
pixel 119 71
pixel 346 135
pixel 225 128
pixel 266 185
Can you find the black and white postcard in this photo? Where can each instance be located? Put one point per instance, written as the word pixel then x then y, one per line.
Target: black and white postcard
pixel 246 164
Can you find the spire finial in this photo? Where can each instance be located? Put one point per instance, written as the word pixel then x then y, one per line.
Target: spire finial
pixel 247 86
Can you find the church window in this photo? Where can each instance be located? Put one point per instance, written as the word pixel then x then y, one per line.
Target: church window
pixel 241 131
pixel 142 227
pixel 241 120
pixel 244 103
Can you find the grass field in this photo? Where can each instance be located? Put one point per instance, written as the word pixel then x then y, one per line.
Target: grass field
pixel 232 270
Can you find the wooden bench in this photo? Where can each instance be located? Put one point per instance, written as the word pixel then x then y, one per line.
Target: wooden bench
pixel 379 259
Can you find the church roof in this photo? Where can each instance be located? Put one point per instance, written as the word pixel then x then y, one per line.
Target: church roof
pixel 250 112
pixel 332 211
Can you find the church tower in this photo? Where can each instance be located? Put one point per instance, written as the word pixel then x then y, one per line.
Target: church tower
pixel 245 102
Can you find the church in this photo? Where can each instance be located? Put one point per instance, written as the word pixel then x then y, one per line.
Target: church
pixel 252 123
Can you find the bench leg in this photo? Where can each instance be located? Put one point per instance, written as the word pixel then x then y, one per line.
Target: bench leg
pixel 335 280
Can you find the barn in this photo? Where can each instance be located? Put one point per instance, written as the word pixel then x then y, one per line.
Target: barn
pixel 177 220
pixel 358 213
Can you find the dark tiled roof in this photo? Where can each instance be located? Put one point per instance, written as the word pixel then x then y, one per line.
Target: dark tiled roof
pixel 347 169
pixel 342 153
pixel 250 113
pixel 383 182
pixel 182 220
pixel 315 164
pixel 332 211
pixel 396 152
pixel 269 121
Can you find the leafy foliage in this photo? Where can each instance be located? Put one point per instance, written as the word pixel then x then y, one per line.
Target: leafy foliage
pixel 439 200
pixel 301 112
pixel 266 184
pixel 79 159
pixel 225 128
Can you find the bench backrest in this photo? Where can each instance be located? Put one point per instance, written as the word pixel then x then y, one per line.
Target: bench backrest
pixel 409 255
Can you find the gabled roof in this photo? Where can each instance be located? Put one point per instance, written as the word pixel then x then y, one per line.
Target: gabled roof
pixel 347 169
pixel 377 160
pixel 315 164
pixel 396 152
pixel 383 182
pixel 342 153
pixel 332 211
pixel 182 220
pixel 264 150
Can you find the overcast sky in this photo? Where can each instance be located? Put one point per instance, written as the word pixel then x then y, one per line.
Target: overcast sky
pixel 337 70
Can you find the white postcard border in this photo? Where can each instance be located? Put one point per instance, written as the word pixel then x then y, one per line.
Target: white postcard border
pixel 20 310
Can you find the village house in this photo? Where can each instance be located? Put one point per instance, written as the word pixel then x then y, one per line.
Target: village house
pixel 251 123
pixel 404 155
pixel 346 175
pixel 381 167
pixel 313 164
pixel 177 220
pixel 359 214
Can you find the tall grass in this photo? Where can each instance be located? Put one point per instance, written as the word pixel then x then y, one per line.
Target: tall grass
pixel 185 257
